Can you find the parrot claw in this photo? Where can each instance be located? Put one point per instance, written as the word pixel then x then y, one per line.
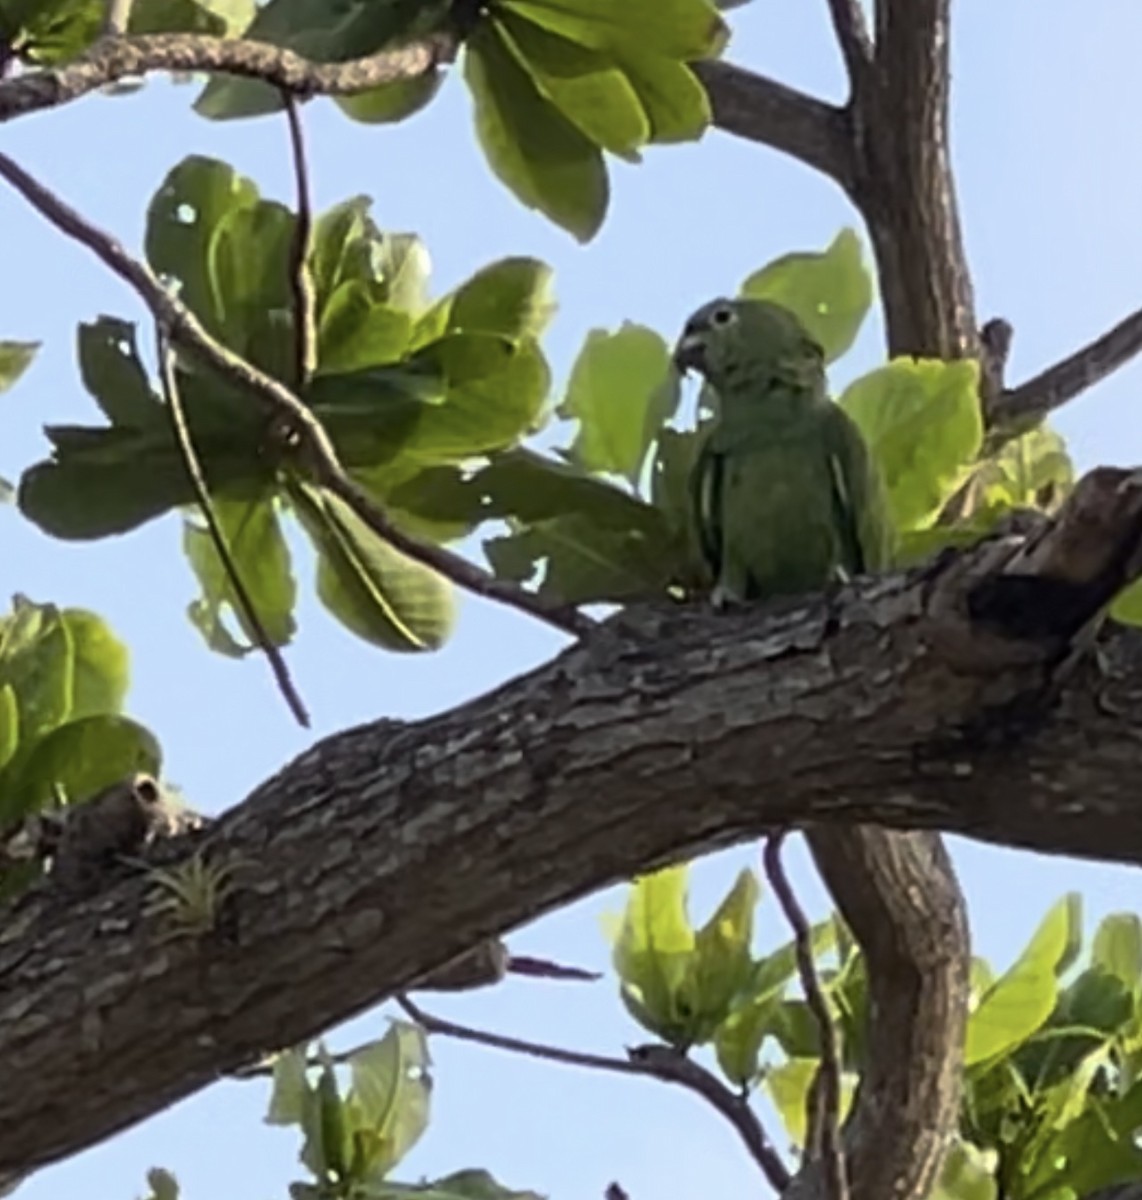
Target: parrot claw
pixel 723 600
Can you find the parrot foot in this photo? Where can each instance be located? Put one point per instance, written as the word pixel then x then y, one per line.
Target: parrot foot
pixel 723 600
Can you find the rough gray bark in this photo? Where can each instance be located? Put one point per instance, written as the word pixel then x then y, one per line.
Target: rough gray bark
pixel 917 702
pixel 945 698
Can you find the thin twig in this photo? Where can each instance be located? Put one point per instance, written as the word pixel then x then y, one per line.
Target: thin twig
pixel 112 59
pixel 301 279
pixel 830 1070
pixel 853 36
pixel 655 1062
pixel 187 332
pixel 179 425
pixel 1021 408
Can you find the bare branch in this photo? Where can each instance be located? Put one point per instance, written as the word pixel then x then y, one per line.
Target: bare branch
pixel 762 110
pixel 113 59
pixel 118 17
pixel 1021 408
pixel 656 1061
pixel 928 701
pixel 301 281
pixel 186 331
pixel 181 429
pixel 829 1126
pixel 853 37
pixel 904 186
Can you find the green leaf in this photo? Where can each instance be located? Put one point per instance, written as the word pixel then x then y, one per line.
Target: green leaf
pixel 9 725
pixel 531 147
pixel 81 758
pixel 15 359
pixel 100 664
pixel 721 964
pixel 968 1174
pixel 106 481
pixel 758 1013
pixel 460 1185
pixel 182 219
pixel 619 392
pixel 326 1150
pixel 391 1091
pixel 676 104
pixel 163 1185
pixel 494 393
pixel 37 659
pixel 254 538
pixel 287 1100
pixel 112 372
pixel 1117 947
pixel 678 29
pixel 652 953
pixel 788 1085
pixel 921 420
pixel 511 297
pixel 373 590
pixel 583 564
pixel 359 330
pixel 1057 942
pixel 51 31
pixel 587 86
pixel 830 290
pixel 392 102
pixel 1032 471
pixel 1098 1150
pixel 1023 998
pixel 248 263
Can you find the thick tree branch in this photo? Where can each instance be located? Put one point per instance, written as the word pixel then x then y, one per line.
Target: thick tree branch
pixel 904 187
pixel 762 110
pixel 113 59
pixel 920 702
pixel 295 419
pixel 853 37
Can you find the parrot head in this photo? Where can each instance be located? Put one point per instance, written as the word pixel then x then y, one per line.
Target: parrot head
pixel 731 340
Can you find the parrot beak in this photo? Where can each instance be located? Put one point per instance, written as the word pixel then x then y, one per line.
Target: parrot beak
pixel 690 353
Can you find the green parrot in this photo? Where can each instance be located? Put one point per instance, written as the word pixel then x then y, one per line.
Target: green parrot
pixel 785 495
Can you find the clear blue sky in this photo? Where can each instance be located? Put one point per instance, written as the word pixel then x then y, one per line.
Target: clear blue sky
pixel 1044 137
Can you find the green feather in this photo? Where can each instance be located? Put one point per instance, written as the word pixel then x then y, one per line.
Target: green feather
pixel 785 495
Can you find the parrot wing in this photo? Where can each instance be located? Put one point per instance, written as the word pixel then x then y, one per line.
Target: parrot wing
pixel 707 482
pixel 860 504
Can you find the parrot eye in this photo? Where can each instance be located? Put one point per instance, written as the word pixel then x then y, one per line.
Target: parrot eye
pixel 722 316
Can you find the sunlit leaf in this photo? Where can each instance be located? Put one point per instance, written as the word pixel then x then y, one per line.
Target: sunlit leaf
pixel 830 290
pixel 531 147
pixel 587 86
pixel 15 359
pixel 922 421
pixel 618 392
